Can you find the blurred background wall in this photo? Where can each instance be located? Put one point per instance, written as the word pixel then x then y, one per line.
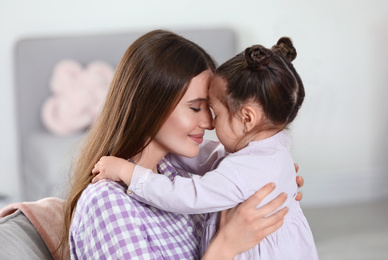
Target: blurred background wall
pixel 340 137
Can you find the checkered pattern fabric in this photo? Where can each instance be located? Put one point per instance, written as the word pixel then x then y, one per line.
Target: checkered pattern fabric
pixel 109 224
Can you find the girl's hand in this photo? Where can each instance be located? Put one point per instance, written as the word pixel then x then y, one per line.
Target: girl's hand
pixel 113 168
pixel 245 226
pixel 300 183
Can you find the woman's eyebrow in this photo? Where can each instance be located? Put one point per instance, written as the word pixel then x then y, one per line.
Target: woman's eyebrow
pixel 198 100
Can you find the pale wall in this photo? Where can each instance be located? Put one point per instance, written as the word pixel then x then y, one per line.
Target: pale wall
pixel 340 137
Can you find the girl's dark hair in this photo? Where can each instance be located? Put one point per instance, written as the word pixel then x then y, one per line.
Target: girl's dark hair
pixel 149 81
pixel 268 77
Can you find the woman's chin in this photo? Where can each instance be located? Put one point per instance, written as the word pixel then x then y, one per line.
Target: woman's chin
pixel 191 153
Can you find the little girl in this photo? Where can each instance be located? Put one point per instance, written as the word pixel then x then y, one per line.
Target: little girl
pixel 254 97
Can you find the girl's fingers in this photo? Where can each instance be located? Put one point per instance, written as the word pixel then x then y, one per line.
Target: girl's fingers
pixel 97 178
pixel 95 171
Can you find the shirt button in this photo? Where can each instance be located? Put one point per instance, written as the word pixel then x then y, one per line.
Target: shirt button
pixel 190 229
pixel 129 192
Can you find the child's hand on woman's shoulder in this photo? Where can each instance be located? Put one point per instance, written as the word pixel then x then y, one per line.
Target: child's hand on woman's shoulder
pixel 113 168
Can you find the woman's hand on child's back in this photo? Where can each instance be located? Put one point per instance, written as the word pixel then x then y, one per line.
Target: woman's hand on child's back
pixel 244 226
pixel 113 168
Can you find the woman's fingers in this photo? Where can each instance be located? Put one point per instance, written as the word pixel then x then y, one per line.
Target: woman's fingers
pixel 273 205
pixel 248 225
pixel 296 167
pixel 274 222
pixel 299 181
pixel 299 196
pixel 250 205
pixel 259 195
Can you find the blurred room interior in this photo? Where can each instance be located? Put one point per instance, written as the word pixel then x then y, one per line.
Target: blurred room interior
pixel 340 138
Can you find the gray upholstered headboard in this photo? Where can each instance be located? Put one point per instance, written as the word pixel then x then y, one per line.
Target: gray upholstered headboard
pixel 44 157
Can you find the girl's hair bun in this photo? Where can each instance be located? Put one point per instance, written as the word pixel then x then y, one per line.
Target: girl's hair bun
pixel 257 57
pixel 285 48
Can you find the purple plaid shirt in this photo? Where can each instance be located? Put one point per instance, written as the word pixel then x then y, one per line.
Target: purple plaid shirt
pixel 109 224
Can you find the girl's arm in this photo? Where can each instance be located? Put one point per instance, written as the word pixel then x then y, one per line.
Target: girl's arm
pixel 209 152
pixel 118 169
pixel 245 226
pixel 200 194
pixel 209 193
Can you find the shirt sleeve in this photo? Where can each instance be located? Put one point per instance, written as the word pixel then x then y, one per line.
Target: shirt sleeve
pixel 111 229
pixel 215 191
pixel 209 152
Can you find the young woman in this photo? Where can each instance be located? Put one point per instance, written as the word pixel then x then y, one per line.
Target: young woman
pixel 157 104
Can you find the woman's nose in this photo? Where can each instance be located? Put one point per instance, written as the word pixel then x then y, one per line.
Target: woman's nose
pixel 207 120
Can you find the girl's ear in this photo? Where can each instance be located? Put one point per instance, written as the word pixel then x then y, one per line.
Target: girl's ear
pixel 251 116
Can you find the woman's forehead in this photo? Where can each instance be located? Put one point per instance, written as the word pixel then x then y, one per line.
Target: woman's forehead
pixel 198 86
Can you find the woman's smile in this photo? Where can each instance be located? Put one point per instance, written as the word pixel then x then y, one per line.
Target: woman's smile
pixel 198 138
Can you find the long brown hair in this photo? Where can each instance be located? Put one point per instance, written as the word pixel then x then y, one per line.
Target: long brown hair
pixel 149 81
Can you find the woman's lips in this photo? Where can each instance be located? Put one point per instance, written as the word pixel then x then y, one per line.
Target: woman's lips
pixel 197 138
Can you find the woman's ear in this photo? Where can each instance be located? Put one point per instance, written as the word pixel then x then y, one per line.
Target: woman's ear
pixel 251 115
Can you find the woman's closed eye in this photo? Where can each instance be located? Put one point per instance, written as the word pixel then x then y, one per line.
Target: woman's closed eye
pixel 195 109
pixel 198 105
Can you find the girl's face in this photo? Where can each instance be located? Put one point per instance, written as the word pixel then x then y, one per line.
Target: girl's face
pixel 229 128
pixel 183 131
